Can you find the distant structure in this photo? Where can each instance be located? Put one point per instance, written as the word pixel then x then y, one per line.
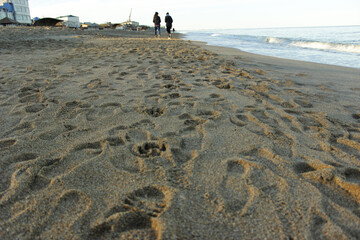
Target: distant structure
pixel 17 10
pixel 50 22
pixel 129 25
pixel 90 26
pixel 8 22
pixel 70 21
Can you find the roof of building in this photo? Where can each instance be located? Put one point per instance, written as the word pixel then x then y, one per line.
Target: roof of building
pixel 7 20
pixel 47 22
pixel 68 16
pixel 8 6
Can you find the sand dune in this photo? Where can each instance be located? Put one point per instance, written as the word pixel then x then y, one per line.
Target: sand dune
pixel 119 135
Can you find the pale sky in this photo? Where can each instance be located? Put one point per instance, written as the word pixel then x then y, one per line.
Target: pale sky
pixel 207 14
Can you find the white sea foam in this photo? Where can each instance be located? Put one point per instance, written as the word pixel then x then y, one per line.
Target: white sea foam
pixel 350 48
pixel 340 47
pixel 274 40
pixel 329 45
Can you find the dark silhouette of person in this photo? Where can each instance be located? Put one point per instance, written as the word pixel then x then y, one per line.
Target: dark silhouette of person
pixel 169 21
pixel 157 21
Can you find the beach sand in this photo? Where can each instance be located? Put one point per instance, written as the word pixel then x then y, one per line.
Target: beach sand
pixel 118 135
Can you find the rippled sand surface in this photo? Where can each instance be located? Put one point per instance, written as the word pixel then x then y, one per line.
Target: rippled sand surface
pixel 118 135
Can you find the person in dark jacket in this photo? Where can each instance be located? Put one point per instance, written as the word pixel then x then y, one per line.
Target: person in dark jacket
pixel 157 21
pixel 169 21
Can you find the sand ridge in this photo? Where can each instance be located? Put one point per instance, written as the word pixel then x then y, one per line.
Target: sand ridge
pixel 119 135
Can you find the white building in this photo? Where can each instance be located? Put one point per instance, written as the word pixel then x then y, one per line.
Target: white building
pixel 70 21
pixel 17 10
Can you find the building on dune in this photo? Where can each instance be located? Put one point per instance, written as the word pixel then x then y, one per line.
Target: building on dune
pixel 50 22
pixel 70 21
pixel 17 10
pixel 8 22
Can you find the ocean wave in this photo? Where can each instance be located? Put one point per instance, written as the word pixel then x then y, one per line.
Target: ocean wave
pixel 340 47
pixel 274 40
pixel 350 48
pixel 216 34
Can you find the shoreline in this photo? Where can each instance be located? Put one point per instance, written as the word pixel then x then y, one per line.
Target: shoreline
pixel 120 135
pixel 341 81
pixel 327 73
pixel 235 51
pixel 348 61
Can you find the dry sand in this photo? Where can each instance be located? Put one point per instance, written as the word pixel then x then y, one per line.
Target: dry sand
pixel 117 135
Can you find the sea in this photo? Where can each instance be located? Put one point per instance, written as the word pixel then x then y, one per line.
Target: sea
pixel 328 45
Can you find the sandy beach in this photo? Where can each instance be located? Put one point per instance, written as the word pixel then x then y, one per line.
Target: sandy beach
pixel 118 135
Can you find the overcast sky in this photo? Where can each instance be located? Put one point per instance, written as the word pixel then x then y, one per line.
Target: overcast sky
pixel 208 14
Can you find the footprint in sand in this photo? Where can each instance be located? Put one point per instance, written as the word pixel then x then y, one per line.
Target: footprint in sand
pixel 53 133
pixel 352 175
pixel 91 148
pixel 172 96
pixel 234 189
pixel 309 123
pixel 116 130
pixel 224 85
pixel 146 151
pixel 34 108
pixel 303 167
pixel 33 98
pixel 81 153
pixel 154 98
pixel 127 162
pixel 69 207
pixel 317 225
pixel 71 109
pixel 349 180
pixel 303 103
pixel 208 114
pixel 10 163
pixel 7 143
pixel 168 77
pixel 145 124
pixel 21 128
pixel 214 95
pixel 346 178
pixel 149 200
pixel 356 116
pixel 191 121
pixel 149 149
pixel 250 121
pixel 104 110
pixel 155 111
pixel 25 178
pixel 170 86
pixel 239 120
pixel 339 186
pixel 93 84
pixel 30 95
pixel 288 105
pixel 137 212
pixel 190 144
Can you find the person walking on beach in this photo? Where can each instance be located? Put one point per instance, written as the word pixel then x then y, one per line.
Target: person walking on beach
pixel 169 21
pixel 157 22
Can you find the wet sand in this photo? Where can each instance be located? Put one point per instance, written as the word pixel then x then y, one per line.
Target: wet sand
pixel 118 135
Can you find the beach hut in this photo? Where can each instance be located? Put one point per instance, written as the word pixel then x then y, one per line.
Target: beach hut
pixel 8 21
pixel 70 21
pixel 88 25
